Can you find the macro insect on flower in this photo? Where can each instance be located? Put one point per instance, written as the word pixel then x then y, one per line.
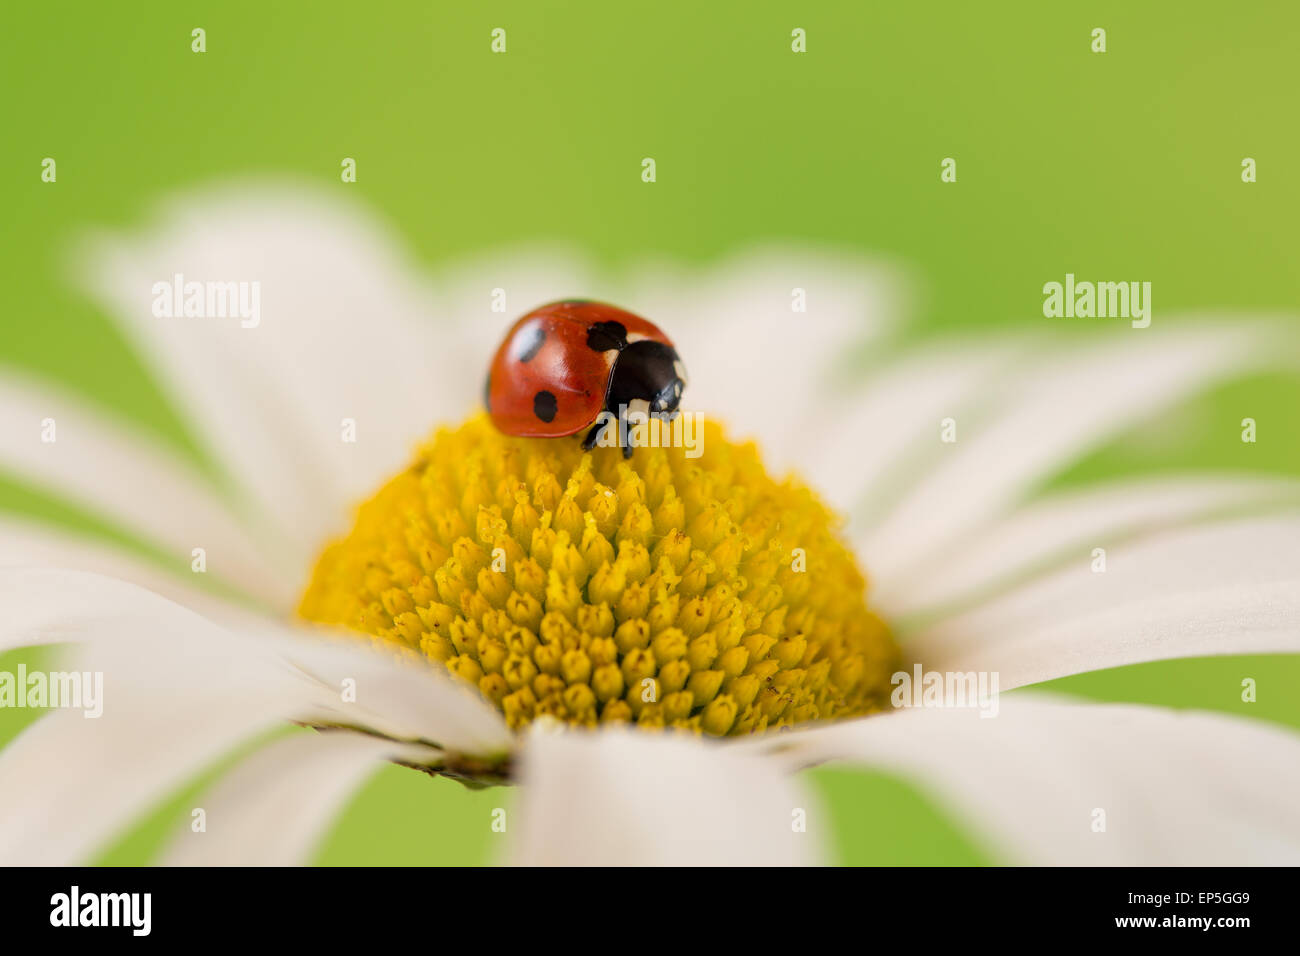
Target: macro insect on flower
pixel 574 364
pixel 650 645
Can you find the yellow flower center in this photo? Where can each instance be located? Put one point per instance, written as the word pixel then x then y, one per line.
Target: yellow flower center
pixel 664 590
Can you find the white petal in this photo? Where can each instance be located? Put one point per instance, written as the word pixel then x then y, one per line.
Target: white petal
pixel 274 808
pixel 869 444
pixel 36 545
pixel 751 359
pixel 628 798
pixel 130 481
pixel 151 645
pixel 48 605
pixel 1232 587
pixel 1065 527
pixel 179 692
pixel 528 276
pixel 1062 406
pixel 397 697
pixel 1176 788
pixel 345 332
pixel 68 785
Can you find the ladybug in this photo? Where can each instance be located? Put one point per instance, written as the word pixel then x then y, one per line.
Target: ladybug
pixel 564 364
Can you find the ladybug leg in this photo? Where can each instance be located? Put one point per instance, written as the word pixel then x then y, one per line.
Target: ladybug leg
pixel 593 436
pixel 624 430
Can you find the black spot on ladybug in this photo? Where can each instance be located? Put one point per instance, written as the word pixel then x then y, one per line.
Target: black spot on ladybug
pixel 544 406
pixel 529 343
pixel 603 336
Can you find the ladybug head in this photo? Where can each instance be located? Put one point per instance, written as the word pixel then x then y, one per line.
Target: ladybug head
pixel 647 374
pixel 670 396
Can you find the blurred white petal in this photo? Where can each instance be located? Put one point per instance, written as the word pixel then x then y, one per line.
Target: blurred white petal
pixel 870 441
pixel 68 784
pixel 48 606
pixel 401 698
pixel 753 361
pixel 346 331
pixel 130 481
pixel 628 798
pixel 1176 788
pixel 527 276
pixel 179 692
pixel 1232 587
pixel 274 808
pixel 1067 403
pixel 1065 527
pixel 33 544
pixel 147 644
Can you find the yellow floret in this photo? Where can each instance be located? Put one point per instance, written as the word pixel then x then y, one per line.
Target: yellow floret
pixel 663 590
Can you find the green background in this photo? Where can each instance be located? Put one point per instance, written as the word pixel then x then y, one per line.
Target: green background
pixel 1118 165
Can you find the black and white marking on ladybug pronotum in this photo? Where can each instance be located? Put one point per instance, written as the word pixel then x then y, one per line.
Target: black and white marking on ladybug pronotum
pixel 544 405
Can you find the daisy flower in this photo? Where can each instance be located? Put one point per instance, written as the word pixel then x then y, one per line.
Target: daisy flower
pixel 651 649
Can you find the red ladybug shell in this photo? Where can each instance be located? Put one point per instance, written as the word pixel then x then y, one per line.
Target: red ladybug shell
pixel 551 374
